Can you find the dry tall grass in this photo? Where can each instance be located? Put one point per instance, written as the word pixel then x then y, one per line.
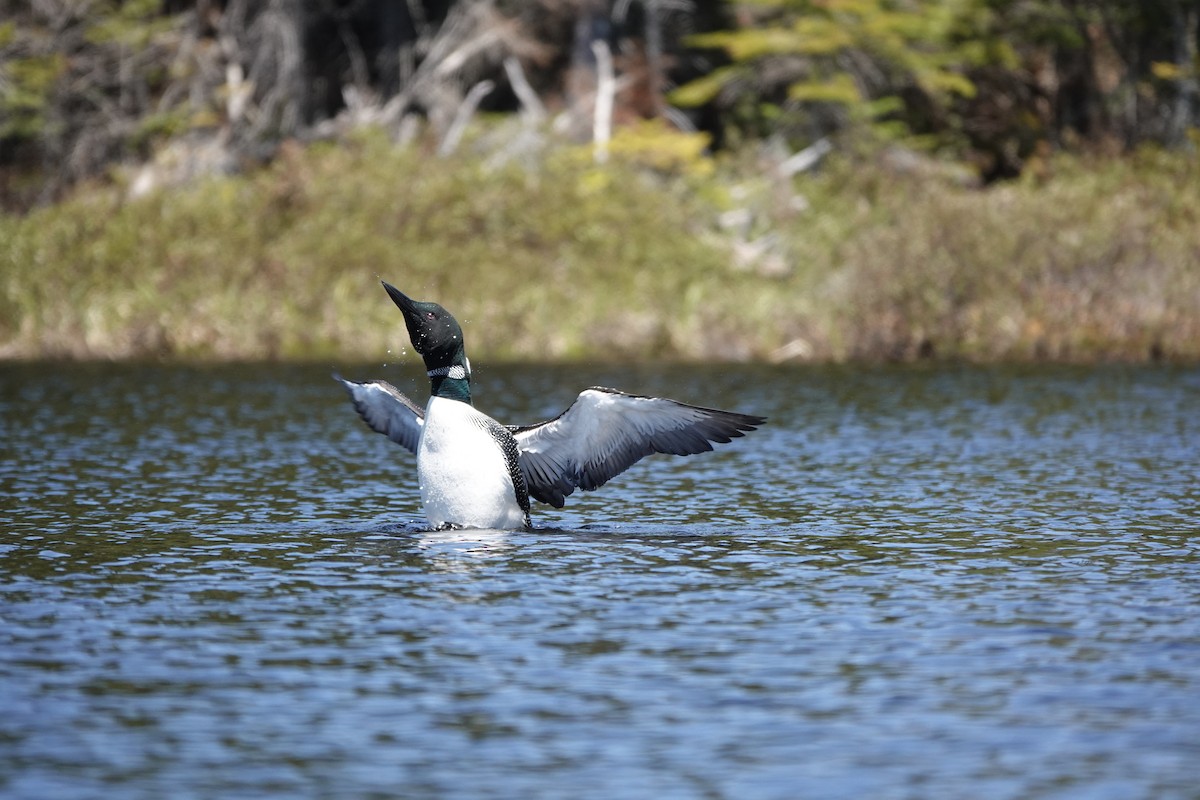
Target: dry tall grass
pixel 564 260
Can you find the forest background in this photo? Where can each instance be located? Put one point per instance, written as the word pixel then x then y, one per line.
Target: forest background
pixel 577 179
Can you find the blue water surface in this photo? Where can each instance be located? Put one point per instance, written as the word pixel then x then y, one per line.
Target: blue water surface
pixel 917 582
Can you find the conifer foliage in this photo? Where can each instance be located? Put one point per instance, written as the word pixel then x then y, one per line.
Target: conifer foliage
pixel 86 84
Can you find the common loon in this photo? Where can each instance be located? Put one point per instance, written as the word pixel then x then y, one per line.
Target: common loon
pixel 476 473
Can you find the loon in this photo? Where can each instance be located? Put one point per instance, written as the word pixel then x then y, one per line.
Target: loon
pixel 476 473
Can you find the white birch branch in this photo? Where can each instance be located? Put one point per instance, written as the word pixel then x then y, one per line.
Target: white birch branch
pixel 605 89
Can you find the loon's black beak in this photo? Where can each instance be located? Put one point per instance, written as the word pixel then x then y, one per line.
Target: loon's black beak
pixel 402 301
pixel 418 322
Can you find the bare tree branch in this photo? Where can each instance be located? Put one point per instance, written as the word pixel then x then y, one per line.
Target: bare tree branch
pixel 465 111
pixel 605 90
pixel 531 104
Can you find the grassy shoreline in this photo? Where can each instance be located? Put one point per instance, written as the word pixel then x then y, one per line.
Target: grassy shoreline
pixel 867 258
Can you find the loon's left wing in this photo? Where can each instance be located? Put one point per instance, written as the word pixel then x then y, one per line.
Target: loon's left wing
pixel 386 410
pixel 605 431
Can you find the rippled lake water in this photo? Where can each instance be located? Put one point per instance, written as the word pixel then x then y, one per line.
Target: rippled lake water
pixel 940 582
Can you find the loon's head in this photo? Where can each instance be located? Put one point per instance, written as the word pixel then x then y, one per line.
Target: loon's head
pixel 435 334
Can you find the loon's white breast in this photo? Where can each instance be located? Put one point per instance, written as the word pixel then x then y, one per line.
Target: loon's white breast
pixel 465 474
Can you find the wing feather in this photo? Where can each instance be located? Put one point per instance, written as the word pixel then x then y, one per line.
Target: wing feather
pixel 605 431
pixel 386 410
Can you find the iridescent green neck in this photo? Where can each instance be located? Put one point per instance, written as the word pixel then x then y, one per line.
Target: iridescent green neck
pixel 452 381
pixel 451 387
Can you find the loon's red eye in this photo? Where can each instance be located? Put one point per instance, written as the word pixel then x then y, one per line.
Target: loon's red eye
pixel 430 315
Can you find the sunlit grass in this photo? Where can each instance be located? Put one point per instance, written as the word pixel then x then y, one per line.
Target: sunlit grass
pixel 569 261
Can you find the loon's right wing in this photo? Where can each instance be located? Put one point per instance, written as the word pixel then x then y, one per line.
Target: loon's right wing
pixel 386 410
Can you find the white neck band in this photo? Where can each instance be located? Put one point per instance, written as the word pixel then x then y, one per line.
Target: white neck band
pixel 456 372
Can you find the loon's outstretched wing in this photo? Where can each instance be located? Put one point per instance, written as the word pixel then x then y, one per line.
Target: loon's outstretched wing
pixel 606 431
pixel 386 410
